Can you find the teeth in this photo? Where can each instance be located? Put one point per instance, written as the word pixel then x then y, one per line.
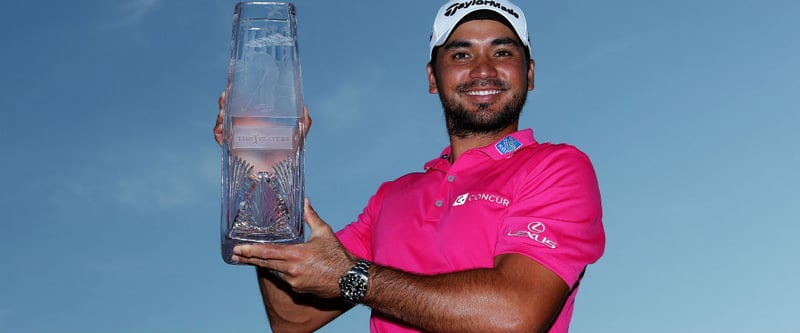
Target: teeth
pixel 483 92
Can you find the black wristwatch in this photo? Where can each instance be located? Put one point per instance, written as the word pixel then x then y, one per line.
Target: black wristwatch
pixel 353 284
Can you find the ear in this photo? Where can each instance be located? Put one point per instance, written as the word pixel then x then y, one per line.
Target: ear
pixel 432 87
pixel 530 74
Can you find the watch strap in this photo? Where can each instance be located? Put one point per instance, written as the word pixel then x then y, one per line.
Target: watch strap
pixel 362 267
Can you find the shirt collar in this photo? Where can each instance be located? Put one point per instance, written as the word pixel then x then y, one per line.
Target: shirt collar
pixel 503 148
pixel 509 144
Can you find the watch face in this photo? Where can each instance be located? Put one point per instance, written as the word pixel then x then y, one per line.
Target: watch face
pixel 353 284
pixel 353 287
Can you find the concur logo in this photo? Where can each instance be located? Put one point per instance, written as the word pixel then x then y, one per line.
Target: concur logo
pixel 493 198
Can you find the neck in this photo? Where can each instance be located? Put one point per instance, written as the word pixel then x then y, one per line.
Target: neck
pixel 460 144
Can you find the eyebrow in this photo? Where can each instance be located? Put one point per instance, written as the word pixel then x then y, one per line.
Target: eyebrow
pixel 456 44
pixel 505 41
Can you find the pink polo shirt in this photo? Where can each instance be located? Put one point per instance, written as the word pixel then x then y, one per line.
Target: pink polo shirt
pixel 540 200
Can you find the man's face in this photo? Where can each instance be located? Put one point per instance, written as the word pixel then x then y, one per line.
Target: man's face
pixel 481 78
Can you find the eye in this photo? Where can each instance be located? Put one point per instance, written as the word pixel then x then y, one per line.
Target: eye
pixel 503 53
pixel 460 55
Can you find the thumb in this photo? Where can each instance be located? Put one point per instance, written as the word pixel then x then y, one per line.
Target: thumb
pixel 316 223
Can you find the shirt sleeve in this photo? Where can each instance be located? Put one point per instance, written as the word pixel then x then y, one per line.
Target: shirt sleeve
pixel 556 215
pixel 357 236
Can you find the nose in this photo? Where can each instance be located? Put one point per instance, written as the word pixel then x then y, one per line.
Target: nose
pixel 483 68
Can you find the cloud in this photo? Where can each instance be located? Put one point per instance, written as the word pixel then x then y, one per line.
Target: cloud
pixel 168 180
pixel 138 181
pixel 131 12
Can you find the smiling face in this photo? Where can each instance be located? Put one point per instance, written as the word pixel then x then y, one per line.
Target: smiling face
pixel 482 78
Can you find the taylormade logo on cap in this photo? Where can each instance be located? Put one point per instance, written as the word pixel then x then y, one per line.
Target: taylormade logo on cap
pixel 456 6
pixel 451 13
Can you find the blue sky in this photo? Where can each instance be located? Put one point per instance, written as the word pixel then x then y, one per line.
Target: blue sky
pixel 111 177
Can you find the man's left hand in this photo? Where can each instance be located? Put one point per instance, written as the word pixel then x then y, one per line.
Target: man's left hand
pixel 311 267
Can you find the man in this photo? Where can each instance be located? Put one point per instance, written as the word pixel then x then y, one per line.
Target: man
pixel 493 236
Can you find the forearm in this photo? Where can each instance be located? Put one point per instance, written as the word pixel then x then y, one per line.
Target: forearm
pixel 289 311
pixel 480 300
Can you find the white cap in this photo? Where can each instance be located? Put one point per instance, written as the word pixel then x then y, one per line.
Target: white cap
pixel 453 11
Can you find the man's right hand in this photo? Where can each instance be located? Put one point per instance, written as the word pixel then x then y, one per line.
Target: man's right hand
pixel 221 116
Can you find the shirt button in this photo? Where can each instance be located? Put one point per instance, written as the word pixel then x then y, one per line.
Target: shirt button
pixel 451 178
pixel 439 203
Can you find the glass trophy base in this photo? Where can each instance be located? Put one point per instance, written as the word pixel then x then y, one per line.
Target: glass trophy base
pixel 267 209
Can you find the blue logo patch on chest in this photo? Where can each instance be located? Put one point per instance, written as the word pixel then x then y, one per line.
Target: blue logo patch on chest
pixel 508 145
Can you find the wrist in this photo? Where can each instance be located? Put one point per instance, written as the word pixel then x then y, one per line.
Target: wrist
pixel 354 284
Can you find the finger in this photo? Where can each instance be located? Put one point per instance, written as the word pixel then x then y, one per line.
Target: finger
pixel 221 100
pixel 312 218
pixel 260 256
pixel 271 265
pixel 259 251
pixel 220 116
pixel 218 130
pixel 252 261
pixel 306 120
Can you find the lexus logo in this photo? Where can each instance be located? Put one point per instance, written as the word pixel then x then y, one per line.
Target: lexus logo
pixel 537 227
pixel 535 232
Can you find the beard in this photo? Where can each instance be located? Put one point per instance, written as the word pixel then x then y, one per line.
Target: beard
pixel 485 121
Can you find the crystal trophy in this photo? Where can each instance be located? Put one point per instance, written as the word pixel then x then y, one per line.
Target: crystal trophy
pixel 263 130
